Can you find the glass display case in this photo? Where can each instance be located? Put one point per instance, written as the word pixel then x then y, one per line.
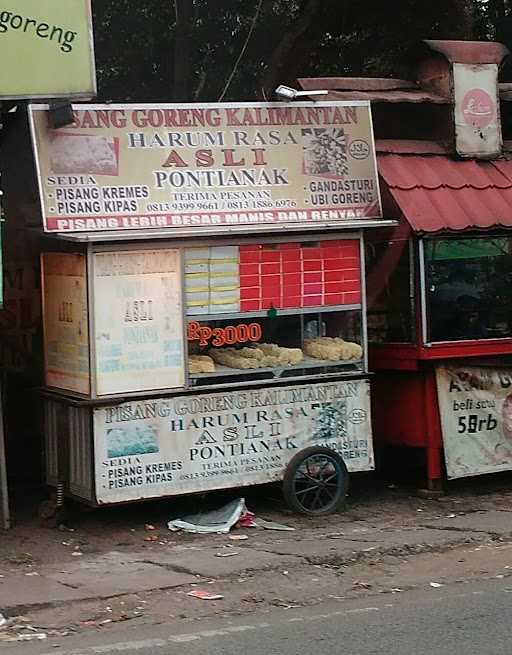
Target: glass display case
pixel 137 320
pixel 468 288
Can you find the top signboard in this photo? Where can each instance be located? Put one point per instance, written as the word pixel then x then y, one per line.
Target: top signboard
pixel 138 166
pixel 46 49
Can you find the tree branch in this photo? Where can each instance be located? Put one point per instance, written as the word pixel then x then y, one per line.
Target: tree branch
pixel 284 53
pixel 182 39
pixel 242 52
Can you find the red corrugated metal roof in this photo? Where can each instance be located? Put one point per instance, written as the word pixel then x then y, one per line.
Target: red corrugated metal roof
pixel 437 193
pixel 414 96
pixel 411 147
pixel 470 52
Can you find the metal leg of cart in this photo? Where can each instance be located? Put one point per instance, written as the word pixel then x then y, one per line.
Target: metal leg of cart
pixel 434 474
pixel 434 439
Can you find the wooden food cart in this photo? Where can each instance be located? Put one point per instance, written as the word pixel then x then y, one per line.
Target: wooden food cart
pixel 204 304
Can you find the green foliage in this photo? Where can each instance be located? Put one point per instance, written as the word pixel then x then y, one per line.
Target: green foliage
pixel 135 42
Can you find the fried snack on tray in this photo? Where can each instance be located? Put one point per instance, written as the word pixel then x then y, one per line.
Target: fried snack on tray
pixel 264 355
pixel 285 355
pixel 233 359
pixel 332 349
pixel 200 364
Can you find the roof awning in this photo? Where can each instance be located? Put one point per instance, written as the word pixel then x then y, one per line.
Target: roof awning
pixel 225 231
pixel 436 193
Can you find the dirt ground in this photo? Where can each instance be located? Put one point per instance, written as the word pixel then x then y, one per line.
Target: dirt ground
pixel 28 546
pixel 123 527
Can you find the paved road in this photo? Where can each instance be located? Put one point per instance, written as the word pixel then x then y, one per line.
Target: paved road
pixel 459 619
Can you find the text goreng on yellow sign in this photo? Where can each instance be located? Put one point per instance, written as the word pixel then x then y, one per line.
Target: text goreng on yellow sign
pixel 46 49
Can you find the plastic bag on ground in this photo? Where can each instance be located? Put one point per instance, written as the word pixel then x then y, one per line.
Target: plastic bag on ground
pixel 216 521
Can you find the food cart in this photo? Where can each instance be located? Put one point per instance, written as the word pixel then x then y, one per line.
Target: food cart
pixel 204 305
pixel 440 302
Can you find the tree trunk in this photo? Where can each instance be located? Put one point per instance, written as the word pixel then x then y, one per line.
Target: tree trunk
pixel 182 59
pixel 497 14
pixel 463 19
pixel 284 61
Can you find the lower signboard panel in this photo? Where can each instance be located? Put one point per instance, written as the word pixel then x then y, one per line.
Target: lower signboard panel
pixel 475 404
pixel 186 444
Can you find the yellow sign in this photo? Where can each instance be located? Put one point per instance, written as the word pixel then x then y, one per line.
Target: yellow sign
pixel 46 49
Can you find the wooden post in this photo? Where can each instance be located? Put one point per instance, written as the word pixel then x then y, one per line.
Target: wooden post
pixel 5 519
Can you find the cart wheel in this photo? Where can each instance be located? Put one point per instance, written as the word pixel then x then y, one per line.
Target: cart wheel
pixel 315 481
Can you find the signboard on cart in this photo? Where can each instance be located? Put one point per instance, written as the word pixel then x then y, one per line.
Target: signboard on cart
pixel 46 49
pixel 138 321
pixel 122 167
pixel 475 405
pixel 184 444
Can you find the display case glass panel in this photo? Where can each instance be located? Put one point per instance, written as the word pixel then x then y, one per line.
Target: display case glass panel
pixel 312 342
pixel 469 288
pixel 391 317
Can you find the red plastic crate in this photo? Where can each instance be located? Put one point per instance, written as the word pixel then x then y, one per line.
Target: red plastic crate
pixel 352 274
pixel 292 290
pixel 332 252
pixel 291 255
pixel 250 293
pixel 313 276
pixel 267 281
pixel 312 265
pixel 268 303
pixel 350 262
pixel 250 257
pixel 312 253
pixel 292 301
pixel 291 267
pixel 312 301
pixel 271 256
pixel 333 299
pixel 351 249
pixel 249 281
pixel 292 278
pixel 268 268
pixel 249 269
pixel 250 305
pixel 352 298
pixel 313 289
pixel 333 276
pixel 337 264
pixel 335 287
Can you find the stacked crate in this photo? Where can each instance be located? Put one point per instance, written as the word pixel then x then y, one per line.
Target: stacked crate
pixel 294 275
pixel 212 280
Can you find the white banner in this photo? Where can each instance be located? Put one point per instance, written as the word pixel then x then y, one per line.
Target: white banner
pixel 138 321
pixel 185 444
pixel 476 419
pixel 477 110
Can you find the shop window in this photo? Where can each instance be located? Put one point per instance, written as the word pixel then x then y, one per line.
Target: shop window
pixel 469 288
pixel 313 342
pixel 390 292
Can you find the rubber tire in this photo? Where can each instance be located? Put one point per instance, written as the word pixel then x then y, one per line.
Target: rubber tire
pixel 289 476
